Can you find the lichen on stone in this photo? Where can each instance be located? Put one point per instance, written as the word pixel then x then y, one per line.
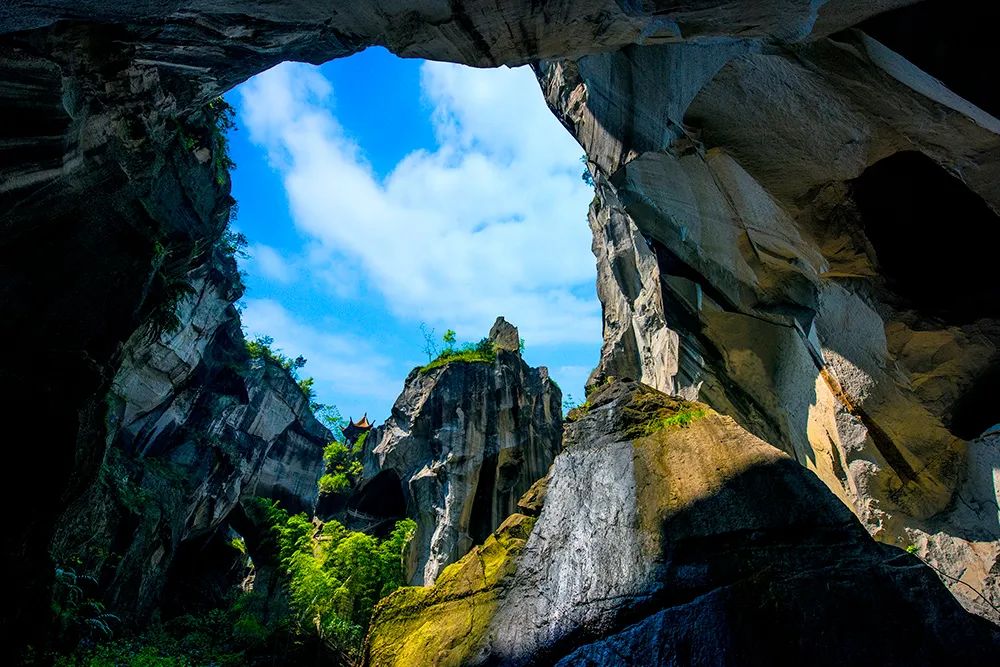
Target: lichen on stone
pixel 445 624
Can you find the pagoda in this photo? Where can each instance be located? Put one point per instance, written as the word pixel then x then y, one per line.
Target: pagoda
pixel 355 430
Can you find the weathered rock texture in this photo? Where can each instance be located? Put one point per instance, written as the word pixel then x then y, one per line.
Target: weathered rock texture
pixel 671 536
pixel 195 427
pixel 772 227
pixel 760 109
pixel 464 442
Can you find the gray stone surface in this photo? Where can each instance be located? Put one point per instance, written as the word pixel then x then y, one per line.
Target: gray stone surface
pixel 734 264
pixel 691 545
pixel 465 441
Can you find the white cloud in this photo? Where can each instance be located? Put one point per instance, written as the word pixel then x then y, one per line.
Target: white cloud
pixel 270 264
pixel 492 222
pixel 339 363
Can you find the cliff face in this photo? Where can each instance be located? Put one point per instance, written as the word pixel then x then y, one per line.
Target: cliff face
pixel 670 535
pixel 464 442
pixel 195 426
pixel 747 156
pixel 771 227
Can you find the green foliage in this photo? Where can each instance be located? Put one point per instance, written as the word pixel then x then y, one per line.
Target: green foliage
pixel 261 348
pixel 482 352
pixel 80 619
pixel 912 549
pixel 224 120
pixel 681 419
pixel 306 386
pixel 218 637
pixel 586 175
pixel 343 466
pixel 233 244
pixel 449 338
pixel 336 575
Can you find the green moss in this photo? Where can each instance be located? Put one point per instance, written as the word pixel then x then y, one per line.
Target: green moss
pixel 650 411
pixel 445 624
pixel 481 353
pixel 681 419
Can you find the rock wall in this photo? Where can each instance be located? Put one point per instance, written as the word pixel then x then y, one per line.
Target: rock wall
pixel 111 190
pixel 195 426
pixel 771 225
pixel 465 440
pixel 669 535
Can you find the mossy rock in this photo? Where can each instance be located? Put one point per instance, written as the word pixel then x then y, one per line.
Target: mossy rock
pixel 445 624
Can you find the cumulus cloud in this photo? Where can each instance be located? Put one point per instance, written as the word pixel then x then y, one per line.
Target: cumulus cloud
pixel 491 222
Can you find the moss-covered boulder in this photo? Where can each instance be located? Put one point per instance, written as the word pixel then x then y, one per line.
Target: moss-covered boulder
pixel 445 624
pixel 670 535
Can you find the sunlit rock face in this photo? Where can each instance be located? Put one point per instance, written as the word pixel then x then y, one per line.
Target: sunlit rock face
pixel 670 535
pixel 772 227
pixel 195 427
pixel 464 442
pixel 762 115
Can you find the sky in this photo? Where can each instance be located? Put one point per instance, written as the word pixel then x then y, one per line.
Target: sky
pixel 379 194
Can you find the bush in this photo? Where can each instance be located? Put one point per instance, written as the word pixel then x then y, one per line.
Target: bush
pixel 481 352
pixel 336 576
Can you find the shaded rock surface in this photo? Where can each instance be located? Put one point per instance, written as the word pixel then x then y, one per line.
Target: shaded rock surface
pixel 98 179
pixel 464 442
pixel 772 227
pixel 195 427
pixel 670 535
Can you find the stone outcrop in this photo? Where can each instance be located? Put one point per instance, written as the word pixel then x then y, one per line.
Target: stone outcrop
pixel 670 535
pixel 772 227
pixel 742 259
pixel 195 427
pixel 464 442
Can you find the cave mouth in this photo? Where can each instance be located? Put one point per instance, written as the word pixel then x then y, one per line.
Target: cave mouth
pixel 946 39
pixel 381 500
pixel 979 406
pixel 918 217
pixel 366 221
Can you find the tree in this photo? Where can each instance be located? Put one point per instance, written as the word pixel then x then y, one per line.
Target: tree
pixel 430 347
pixel 449 338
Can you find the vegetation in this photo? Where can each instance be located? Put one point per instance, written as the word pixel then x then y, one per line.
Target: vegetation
pixel 343 466
pixel 680 419
pixel 261 348
pixel 586 176
pixel 336 575
pixel 483 352
pixel 219 637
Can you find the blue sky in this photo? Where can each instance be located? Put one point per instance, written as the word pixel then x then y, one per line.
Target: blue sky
pixel 378 193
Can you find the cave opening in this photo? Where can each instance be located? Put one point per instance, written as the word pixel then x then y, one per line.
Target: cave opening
pixel 948 39
pixel 380 502
pixel 918 218
pixel 438 206
pixel 979 406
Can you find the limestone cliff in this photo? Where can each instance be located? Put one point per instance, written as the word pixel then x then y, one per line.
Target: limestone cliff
pixel 464 442
pixel 671 536
pixel 195 426
pixel 771 226
pixel 747 157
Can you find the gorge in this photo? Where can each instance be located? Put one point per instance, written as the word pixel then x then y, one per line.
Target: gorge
pixel 795 210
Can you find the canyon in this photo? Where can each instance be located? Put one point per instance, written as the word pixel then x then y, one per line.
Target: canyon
pixel 794 216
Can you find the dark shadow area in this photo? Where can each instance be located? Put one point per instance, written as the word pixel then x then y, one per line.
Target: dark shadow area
pixel 203 576
pixel 952 40
pixel 979 406
pixel 378 504
pixel 481 521
pixel 920 219
pixel 773 570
